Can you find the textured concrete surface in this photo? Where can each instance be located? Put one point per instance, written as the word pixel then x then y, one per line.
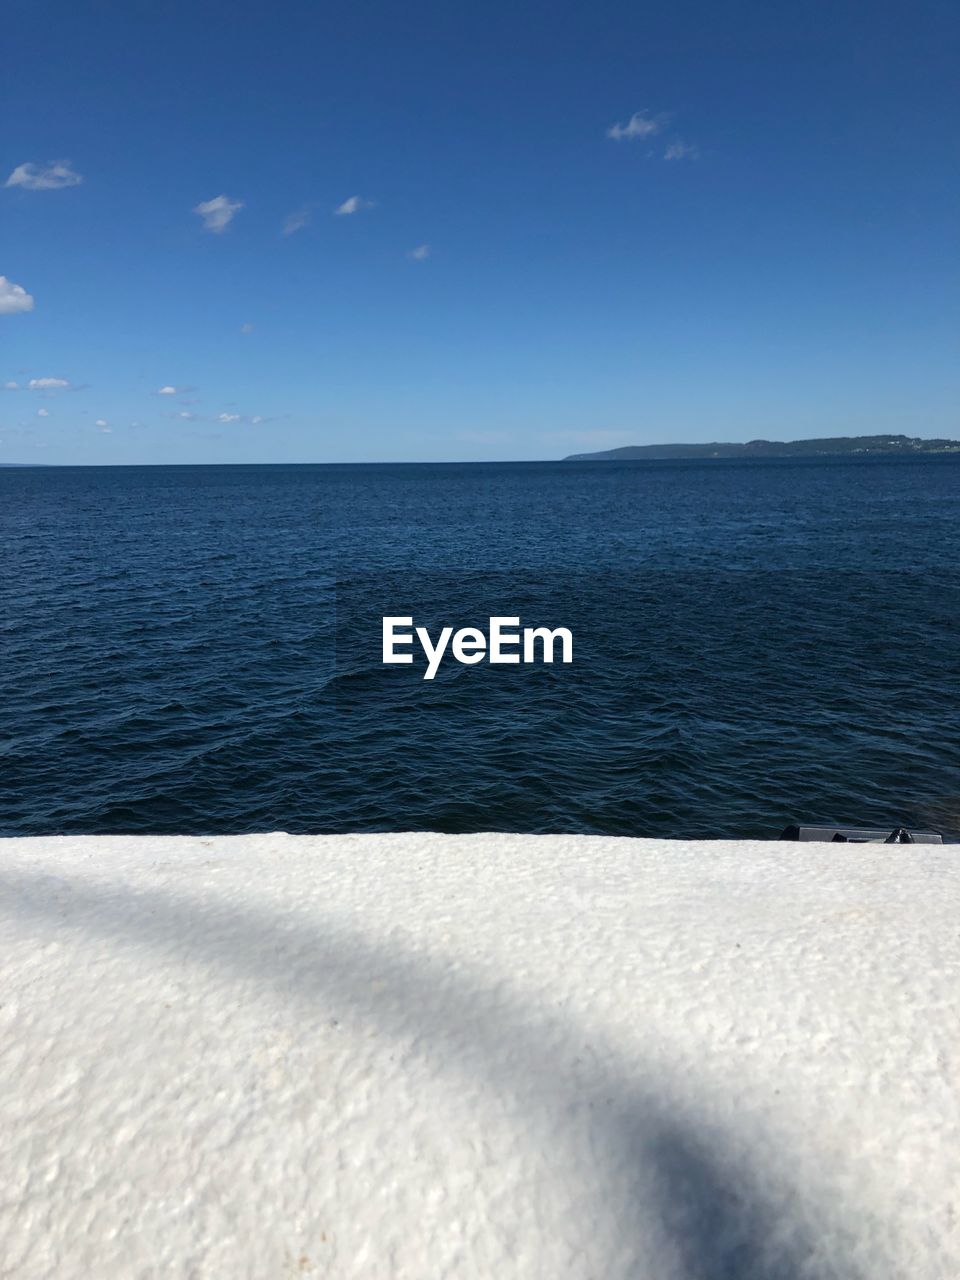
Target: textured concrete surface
pixel 483 1056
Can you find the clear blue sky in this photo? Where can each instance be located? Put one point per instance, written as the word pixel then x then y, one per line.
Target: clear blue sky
pixel 769 249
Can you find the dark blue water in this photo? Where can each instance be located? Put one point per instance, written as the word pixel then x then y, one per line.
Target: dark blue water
pixel 197 649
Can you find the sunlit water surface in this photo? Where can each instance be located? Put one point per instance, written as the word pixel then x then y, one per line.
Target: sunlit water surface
pixel 197 649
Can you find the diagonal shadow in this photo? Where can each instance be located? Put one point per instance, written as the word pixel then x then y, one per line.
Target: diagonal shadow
pixel 718 1222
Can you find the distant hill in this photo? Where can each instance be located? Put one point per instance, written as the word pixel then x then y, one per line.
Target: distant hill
pixel 835 445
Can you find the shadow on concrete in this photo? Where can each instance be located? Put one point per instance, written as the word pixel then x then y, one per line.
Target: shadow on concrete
pixel 720 1221
pixel 716 1219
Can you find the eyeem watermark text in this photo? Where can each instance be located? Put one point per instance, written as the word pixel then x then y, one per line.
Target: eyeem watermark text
pixel 506 643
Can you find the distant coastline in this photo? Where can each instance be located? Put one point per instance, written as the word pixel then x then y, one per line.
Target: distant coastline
pixel 825 447
pixel 835 446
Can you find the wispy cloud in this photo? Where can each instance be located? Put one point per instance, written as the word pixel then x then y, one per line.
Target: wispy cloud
pixel 296 221
pixel 677 149
pixel 246 328
pixel 354 204
pixel 104 429
pixel 47 384
pixel 218 213
pixel 13 298
pixel 11 386
pixel 420 254
pixel 644 125
pixel 43 413
pixel 225 418
pixel 50 177
pixel 101 422
pixel 170 390
pixel 640 125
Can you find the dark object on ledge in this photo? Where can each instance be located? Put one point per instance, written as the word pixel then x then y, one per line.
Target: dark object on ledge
pixel 861 835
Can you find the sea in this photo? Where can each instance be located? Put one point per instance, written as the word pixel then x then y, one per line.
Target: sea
pixel 757 642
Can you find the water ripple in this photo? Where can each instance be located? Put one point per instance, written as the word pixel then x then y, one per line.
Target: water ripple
pixel 197 649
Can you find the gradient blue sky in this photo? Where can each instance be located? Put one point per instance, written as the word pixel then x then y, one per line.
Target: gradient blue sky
pixel 773 253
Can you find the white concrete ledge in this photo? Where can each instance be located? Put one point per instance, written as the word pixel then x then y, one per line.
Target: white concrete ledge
pixel 478 1056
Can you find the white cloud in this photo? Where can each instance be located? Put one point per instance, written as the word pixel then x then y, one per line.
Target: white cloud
pixel 104 429
pixel 169 390
pixel 420 253
pixel 640 125
pixel 257 419
pixel 296 221
pixel 185 413
pixel 354 204
pixel 11 386
pixel 101 422
pixel 680 150
pixel 246 328
pixel 51 178
pixel 47 384
pixel 228 417
pixel 13 298
pixel 218 213
pixel 43 413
